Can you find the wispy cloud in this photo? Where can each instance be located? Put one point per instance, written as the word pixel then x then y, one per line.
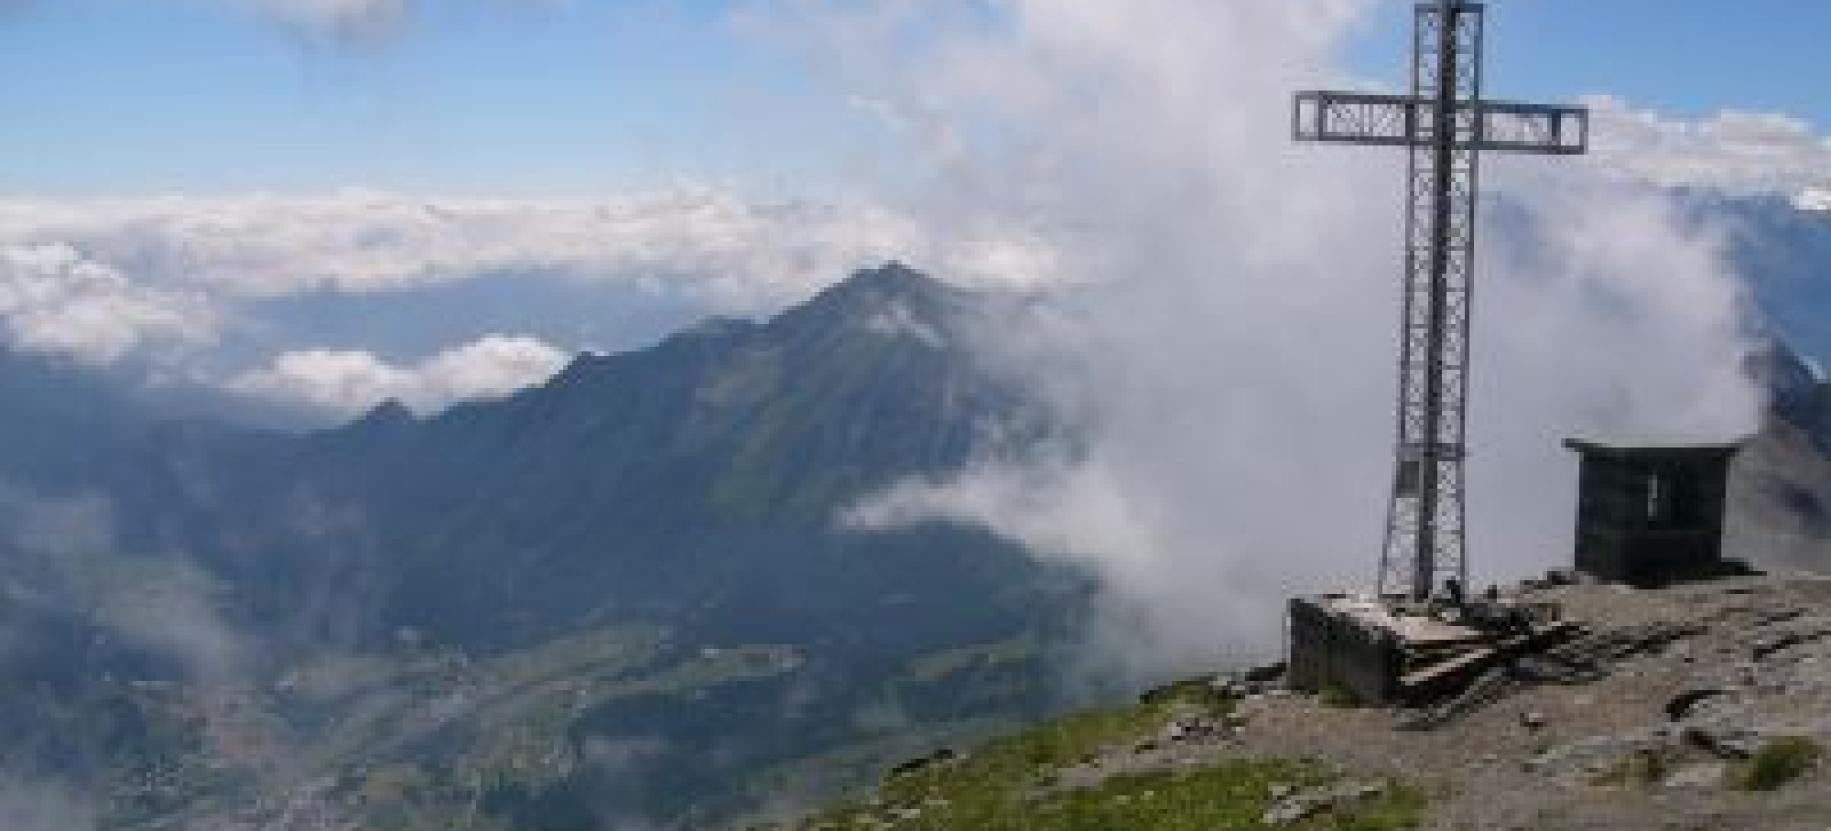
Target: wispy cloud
pixel 1735 152
pixel 67 550
pixel 1230 360
pixel 77 601
pixel 337 18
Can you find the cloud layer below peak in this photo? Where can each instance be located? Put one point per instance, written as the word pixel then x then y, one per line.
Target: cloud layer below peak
pixel 741 253
pixel 171 277
pixel 347 382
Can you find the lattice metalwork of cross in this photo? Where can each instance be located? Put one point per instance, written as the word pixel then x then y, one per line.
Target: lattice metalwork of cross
pixel 1446 125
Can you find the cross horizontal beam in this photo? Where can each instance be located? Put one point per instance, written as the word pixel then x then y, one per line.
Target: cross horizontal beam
pixel 1408 121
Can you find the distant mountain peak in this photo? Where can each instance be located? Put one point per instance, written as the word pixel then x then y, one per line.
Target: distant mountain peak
pixel 890 281
pixel 897 272
pixel 889 302
pixel 387 415
pixel 892 301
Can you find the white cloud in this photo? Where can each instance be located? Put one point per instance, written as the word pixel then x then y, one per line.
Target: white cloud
pixel 1231 356
pixel 341 18
pixel 347 382
pixel 352 20
pixel 101 278
pixel 1813 200
pixel 55 300
pixel 1733 151
pixel 737 254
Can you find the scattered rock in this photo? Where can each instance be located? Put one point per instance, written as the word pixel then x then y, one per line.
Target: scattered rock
pixel 1703 775
pixel 1724 741
pixel 1232 687
pixel 1190 728
pixel 1532 720
pixel 1683 705
pixel 1766 646
pixel 1301 805
pixel 1779 616
pixel 939 757
pixel 1588 759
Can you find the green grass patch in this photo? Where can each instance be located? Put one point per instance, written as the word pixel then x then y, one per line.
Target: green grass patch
pixel 937 667
pixel 1195 696
pixel 608 651
pixel 1779 763
pixel 1230 796
pixel 1234 795
pixel 1017 783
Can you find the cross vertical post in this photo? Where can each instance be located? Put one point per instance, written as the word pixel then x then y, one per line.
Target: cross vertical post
pixel 1446 125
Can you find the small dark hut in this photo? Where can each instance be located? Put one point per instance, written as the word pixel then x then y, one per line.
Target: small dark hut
pixel 1652 515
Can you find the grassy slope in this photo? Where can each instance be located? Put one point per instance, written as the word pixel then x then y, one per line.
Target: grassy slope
pixel 1012 784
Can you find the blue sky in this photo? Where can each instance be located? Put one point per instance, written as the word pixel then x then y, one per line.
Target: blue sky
pixel 297 212
pixel 1683 57
pixel 135 96
pixel 129 95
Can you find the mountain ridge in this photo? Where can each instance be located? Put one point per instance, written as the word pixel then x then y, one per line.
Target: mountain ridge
pixel 652 534
pixel 618 596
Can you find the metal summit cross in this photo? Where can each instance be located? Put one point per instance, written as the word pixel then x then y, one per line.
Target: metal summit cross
pixel 1447 125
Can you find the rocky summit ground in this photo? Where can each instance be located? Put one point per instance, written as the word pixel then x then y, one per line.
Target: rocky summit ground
pixel 1715 730
pixel 1713 713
